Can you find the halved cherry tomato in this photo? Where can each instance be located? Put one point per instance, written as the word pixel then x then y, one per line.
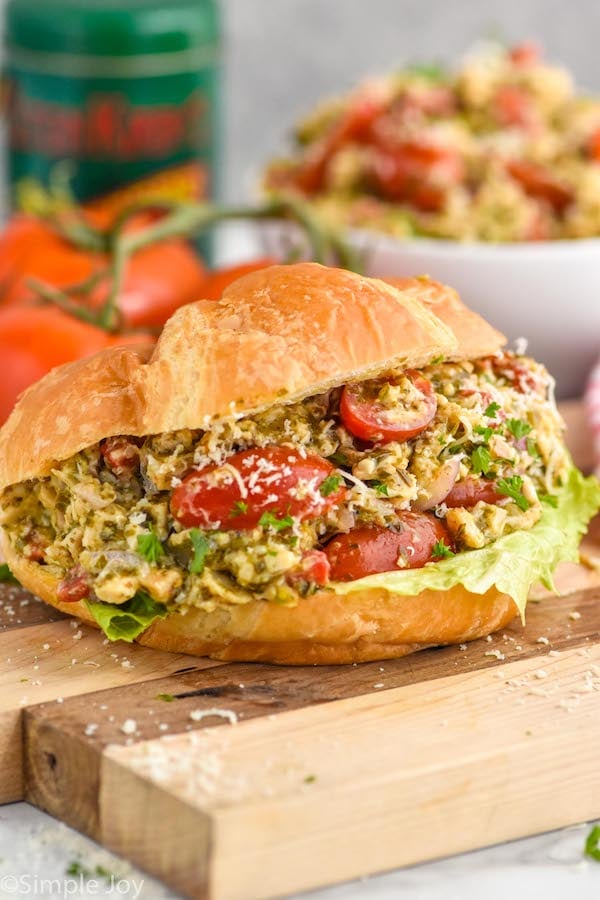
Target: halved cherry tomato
pixel 216 281
pixel 353 125
pixel 366 418
pixel 234 495
pixel 371 549
pixel 470 491
pixel 35 339
pixel 516 373
pixel 525 54
pixel 512 105
pixel 538 182
pixel 74 586
pixel 416 173
pixel 121 454
pixel 593 147
pixel 314 567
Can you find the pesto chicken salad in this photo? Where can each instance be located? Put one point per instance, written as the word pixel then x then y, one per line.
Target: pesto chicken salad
pixel 501 148
pixel 409 471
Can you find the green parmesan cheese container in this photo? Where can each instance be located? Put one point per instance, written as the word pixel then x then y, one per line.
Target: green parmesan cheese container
pixel 103 93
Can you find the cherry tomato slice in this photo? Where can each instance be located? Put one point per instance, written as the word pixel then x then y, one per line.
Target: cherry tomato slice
pixel 275 480
pixel 368 550
pixel 539 183
pixel 353 125
pixel 416 173
pixel 525 54
pixel 514 106
pixel 74 586
pixel 470 491
pixel 314 567
pixel 365 417
pixel 593 146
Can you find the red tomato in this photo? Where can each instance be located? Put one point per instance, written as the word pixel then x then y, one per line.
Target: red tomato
pixel 525 54
pixel 121 455
pixel 538 182
pixel 516 373
pixel 593 147
pixel 275 480
pixel 513 106
pixel 368 550
pixel 158 280
pixel 216 281
pixel 416 173
pixel 74 586
pixel 314 567
pixel 366 418
pixel 35 339
pixel 470 491
pixel 353 125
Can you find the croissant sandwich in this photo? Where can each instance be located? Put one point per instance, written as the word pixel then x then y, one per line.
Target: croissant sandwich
pixel 317 468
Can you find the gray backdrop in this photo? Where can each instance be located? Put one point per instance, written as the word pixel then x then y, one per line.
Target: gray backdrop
pixel 283 55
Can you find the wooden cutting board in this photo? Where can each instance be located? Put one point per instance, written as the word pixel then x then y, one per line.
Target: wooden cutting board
pixel 243 781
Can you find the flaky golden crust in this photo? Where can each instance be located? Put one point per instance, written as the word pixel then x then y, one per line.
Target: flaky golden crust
pixel 324 629
pixel 277 335
pixel 475 336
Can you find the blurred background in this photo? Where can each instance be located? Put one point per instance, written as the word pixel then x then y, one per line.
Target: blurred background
pixel 281 56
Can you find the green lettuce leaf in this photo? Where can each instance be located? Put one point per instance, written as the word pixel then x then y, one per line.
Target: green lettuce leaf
pixel 513 563
pixel 126 621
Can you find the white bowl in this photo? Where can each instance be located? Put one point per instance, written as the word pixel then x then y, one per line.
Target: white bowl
pixel 546 292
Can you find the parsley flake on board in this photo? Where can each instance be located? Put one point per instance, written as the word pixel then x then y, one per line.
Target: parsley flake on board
pixel 268 520
pixel 491 411
pixel 518 428
pixel 441 550
pixel 201 549
pixel 481 460
pixel 330 485
pixel 166 698
pixel 513 488
pixel 149 546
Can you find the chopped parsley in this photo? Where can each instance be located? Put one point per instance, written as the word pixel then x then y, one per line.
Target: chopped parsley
pixel 485 432
pixel 513 487
pixel 380 488
pixel 149 546
pixel 339 458
pixel 438 359
pixel 491 411
pixel 441 550
pixel 592 844
pixel 481 460
pixel 518 428
pixel 330 485
pixel 239 509
pixel 550 499
pixel 532 448
pixel 310 779
pixel 6 575
pixel 201 549
pixel 166 698
pixel 268 520
pixel 78 870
